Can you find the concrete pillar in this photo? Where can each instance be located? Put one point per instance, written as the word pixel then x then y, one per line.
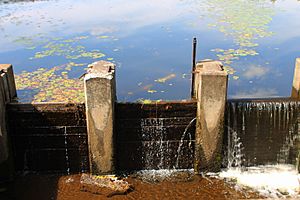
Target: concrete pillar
pixel 296 81
pixel 211 92
pixel 7 93
pixel 100 97
pixel 3 132
pixel 8 76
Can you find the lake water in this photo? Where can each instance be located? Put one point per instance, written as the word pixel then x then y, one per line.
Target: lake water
pixel 50 43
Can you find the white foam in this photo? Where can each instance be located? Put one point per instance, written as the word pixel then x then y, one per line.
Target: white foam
pixel 269 180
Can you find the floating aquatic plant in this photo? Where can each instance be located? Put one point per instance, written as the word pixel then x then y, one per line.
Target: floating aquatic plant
pixel 148 101
pixel 52 84
pixel 70 49
pixel 55 84
pixel 243 21
pixel 151 91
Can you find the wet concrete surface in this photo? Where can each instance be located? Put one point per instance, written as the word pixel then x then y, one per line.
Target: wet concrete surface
pixel 54 187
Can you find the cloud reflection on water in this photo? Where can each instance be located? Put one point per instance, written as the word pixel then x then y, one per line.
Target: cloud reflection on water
pixel 255 93
pixel 61 18
pixel 255 72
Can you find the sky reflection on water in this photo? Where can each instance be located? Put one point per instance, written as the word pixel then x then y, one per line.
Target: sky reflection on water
pixel 149 41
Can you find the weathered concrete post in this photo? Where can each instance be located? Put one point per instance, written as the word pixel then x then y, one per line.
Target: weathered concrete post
pixel 100 96
pixel 295 94
pixel 3 132
pixel 296 81
pixel 211 92
pixel 7 94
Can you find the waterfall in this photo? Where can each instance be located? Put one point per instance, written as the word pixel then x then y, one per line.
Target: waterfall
pixel 66 152
pixel 181 143
pixel 160 147
pixel 155 148
pixel 261 147
pixel 234 155
pixel 261 132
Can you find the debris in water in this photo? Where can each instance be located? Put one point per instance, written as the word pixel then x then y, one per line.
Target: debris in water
pixel 103 37
pixel 144 101
pixel 164 79
pixel 151 91
pixel 235 77
pixel 147 87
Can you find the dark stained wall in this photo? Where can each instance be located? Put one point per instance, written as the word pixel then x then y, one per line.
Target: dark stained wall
pixel 48 137
pixel 155 136
pixel 53 137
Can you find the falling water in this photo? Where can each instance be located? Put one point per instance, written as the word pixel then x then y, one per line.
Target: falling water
pixel 290 146
pixel 66 152
pixel 160 148
pixel 266 136
pixel 234 151
pixel 182 142
pixel 153 131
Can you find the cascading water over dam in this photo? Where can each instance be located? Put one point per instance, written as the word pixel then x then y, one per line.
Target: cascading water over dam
pixel 158 136
pixel 261 149
pixel 268 131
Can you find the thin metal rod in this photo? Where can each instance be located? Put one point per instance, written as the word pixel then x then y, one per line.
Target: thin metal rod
pixel 193 65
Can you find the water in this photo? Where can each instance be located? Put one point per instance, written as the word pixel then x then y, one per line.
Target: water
pixel 155 150
pixel 270 167
pixel 164 145
pixel 275 181
pixel 265 129
pixel 66 152
pixel 181 143
pixel 165 175
pixel 235 155
pixel 151 45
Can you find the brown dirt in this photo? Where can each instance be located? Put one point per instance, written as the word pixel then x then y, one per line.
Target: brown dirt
pixel 53 187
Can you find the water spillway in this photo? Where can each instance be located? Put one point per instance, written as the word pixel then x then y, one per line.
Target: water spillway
pixel 261 146
pixel 155 136
pixel 266 132
pixel 161 136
